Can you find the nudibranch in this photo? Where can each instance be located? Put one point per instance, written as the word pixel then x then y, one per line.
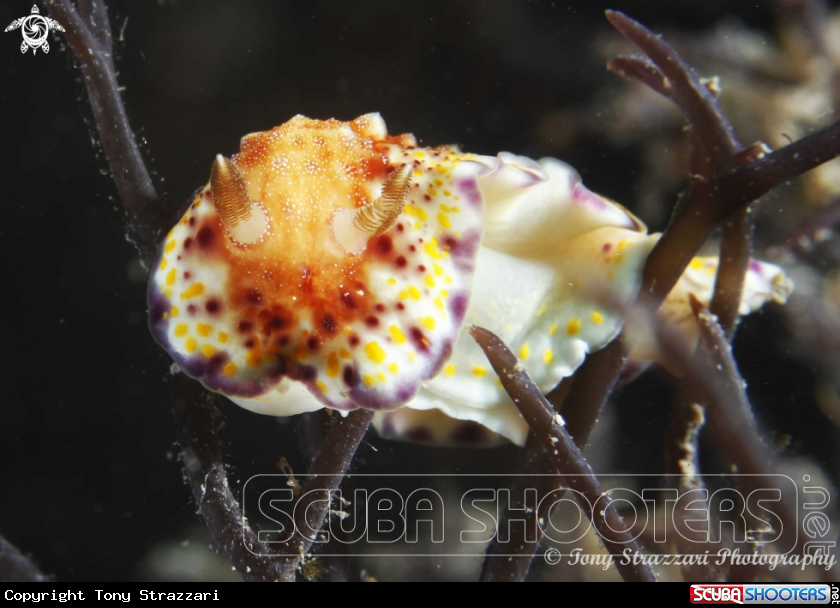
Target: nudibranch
pixel 330 264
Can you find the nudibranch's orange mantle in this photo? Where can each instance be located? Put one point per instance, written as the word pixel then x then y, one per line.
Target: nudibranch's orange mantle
pixel 358 330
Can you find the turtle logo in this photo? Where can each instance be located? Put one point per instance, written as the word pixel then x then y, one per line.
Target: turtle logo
pixel 35 29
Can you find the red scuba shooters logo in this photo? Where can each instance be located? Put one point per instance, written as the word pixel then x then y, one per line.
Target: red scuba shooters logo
pixel 717 594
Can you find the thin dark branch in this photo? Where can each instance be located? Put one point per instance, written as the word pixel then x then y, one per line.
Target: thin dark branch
pixel 641 69
pixel 604 371
pixel 95 14
pixel 549 429
pixel 325 475
pixel 694 97
pixel 600 368
pixel 498 564
pixel 15 567
pixel 92 48
pixel 735 254
pixel 198 421
pixel 751 181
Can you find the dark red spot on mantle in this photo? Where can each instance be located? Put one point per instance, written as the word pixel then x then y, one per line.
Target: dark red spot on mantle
pixel 213 306
pixel 274 319
pixel 384 244
pixel 349 377
pixel 421 342
pixel 205 237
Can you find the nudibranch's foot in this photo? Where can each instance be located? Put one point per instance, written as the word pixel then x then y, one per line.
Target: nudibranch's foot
pixel 433 427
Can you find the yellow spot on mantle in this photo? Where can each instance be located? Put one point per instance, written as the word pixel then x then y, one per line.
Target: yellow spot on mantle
pixel 432 250
pixel 174 311
pixel 254 358
pixel 208 351
pixel 553 329
pixel 170 247
pixel 374 352
pixel 478 371
pixel 428 323
pixel 397 334
pixel 222 337
pixel 332 364
pixel 524 352
pixel 368 380
pixel 190 345
pixel 430 280
pixel 321 386
pixel 417 212
pixel 449 370
pixel 696 264
pixel 203 330
pixel 170 277
pixel 194 290
pixel 394 368
pixel 548 357
pixel 573 326
pixel 444 221
pixel 229 369
pixel 414 292
pixel 180 330
pixel 597 318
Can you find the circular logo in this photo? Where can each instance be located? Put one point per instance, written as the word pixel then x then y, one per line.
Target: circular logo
pixel 35 29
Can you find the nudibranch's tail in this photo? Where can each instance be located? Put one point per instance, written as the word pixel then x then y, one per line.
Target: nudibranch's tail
pixel 764 283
